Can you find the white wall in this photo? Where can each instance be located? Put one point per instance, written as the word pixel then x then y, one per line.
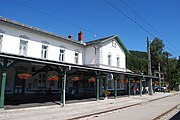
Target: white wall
pixel 87 55
pixel 11 42
pixel 115 51
pixel 90 57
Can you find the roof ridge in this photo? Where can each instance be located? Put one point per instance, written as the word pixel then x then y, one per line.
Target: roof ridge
pixel 37 29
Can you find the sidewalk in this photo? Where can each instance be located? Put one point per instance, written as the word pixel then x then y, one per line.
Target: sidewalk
pixel 55 112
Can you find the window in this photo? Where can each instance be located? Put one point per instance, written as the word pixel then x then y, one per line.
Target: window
pixel 76 57
pixel 1 37
pixel 44 51
pixel 109 59
pixel 118 65
pixel 95 50
pixel 23 47
pixel 61 55
pixel 113 43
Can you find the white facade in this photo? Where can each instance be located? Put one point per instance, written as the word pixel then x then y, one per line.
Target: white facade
pixel 40 44
pixel 11 45
pixel 97 55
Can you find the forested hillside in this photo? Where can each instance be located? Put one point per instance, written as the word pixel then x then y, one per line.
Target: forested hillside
pixel 137 61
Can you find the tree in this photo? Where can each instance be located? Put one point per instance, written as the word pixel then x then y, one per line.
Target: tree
pixel 176 74
pixel 137 61
pixel 156 48
pixel 173 72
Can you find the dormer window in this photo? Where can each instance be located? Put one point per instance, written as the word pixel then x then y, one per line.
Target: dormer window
pixel 114 43
pixel 23 47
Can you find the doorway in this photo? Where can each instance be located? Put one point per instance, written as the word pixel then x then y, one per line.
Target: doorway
pixel 19 84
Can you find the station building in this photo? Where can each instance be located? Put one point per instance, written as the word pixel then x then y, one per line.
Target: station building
pixel 40 65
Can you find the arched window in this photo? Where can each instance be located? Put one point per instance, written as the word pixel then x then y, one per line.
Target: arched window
pixel 109 58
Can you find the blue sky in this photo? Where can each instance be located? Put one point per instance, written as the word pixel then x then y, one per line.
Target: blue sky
pixel 98 19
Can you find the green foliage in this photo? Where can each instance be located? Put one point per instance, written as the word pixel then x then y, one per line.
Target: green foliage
pixel 176 73
pixel 137 62
pixel 157 55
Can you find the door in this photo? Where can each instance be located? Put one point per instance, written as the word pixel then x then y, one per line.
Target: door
pixel 19 84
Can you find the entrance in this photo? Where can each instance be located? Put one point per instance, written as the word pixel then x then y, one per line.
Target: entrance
pixel 19 84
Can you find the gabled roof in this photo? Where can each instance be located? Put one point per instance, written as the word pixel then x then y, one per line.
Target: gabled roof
pixel 16 23
pixel 109 38
pixel 64 38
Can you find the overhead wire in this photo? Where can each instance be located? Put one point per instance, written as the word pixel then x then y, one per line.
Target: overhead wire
pixel 94 33
pixel 149 25
pixel 55 17
pixel 29 18
pixel 113 6
pixel 134 21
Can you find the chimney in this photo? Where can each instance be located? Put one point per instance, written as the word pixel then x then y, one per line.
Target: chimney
pixel 70 37
pixel 80 36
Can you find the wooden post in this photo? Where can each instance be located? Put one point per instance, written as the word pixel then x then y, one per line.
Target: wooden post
pixel 149 67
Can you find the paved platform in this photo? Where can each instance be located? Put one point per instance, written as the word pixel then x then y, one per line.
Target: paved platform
pixel 56 112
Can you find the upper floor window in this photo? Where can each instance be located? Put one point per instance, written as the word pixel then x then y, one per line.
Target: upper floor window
pixel 109 59
pixel 95 50
pixel 118 62
pixel 61 55
pixel 1 38
pixel 23 47
pixel 76 57
pixel 44 51
pixel 113 43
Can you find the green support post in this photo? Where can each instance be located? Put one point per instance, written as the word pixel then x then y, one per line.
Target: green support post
pixel 62 87
pixel 129 86
pixel 115 88
pixel 140 87
pixel 4 76
pixel 97 85
pixel 63 92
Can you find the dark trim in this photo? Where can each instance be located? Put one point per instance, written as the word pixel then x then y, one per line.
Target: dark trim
pixel 2 31
pixel 44 42
pixel 63 64
pixel 24 36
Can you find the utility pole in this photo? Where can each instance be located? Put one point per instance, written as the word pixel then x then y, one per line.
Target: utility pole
pixel 149 67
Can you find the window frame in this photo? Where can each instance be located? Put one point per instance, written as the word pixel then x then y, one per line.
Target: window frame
pixel 22 46
pixel 76 58
pixel 114 43
pixel 62 55
pixel 118 61
pixel 109 59
pixel 43 51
